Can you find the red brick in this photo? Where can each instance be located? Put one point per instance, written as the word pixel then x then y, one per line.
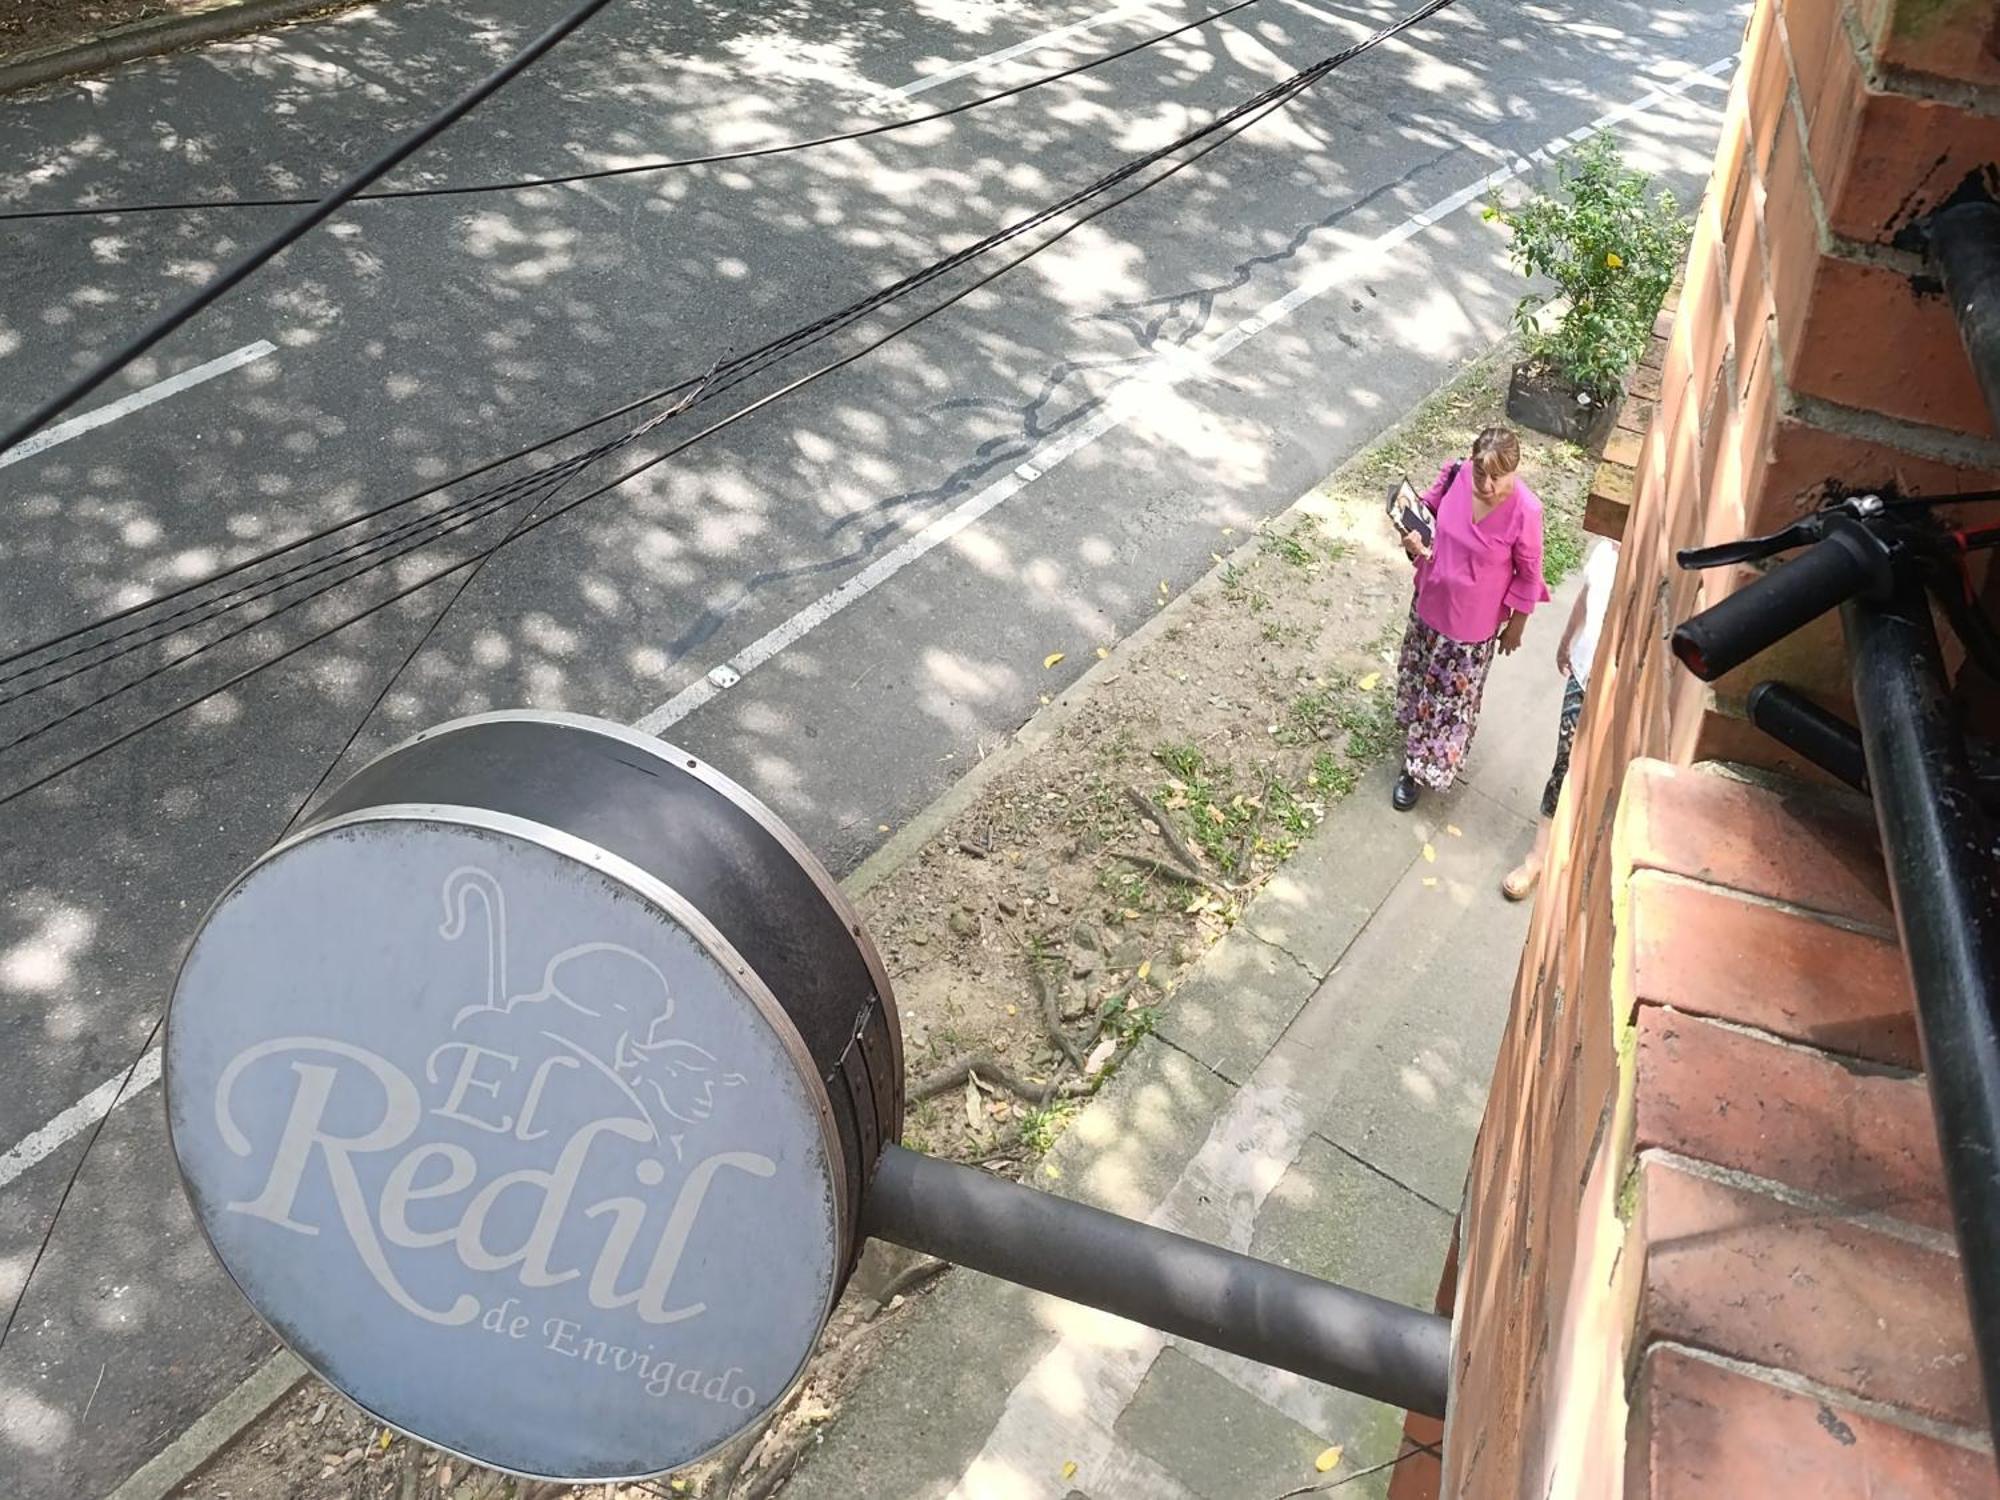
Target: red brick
pixel 1791 242
pixel 1766 81
pixel 1712 953
pixel 1704 1432
pixel 1806 461
pixel 1732 155
pixel 1897 156
pixel 1792 1114
pixel 1622 447
pixel 1718 454
pixel 1704 318
pixel 1809 849
pixel 1816 43
pixel 1959 40
pixel 1418 1474
pixel 1758 397
pixel 1755 1278
pixel 1750 305
pixel 1872 342
pixel 1686 701
pixel 1834 100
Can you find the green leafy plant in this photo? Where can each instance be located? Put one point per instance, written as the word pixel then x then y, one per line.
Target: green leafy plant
pixel 1041 1127
pixel 1610 250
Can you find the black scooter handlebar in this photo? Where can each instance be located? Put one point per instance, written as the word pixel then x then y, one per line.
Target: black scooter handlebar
pixel 1724 636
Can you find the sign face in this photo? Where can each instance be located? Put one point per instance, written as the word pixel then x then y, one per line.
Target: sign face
pixel 500 1148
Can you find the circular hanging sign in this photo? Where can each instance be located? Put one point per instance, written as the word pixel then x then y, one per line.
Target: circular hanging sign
pixel 499 1130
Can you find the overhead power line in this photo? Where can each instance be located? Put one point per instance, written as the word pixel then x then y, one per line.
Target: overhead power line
pixel 596 174
pixel 322 210
pixel 741 369
pixel 1224 128
pixel 453 517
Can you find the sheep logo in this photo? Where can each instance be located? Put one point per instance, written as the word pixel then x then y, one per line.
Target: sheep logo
pixel 602 1005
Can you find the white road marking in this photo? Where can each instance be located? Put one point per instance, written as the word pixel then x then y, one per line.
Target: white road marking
pixel 1022 49
pixel 173 385
pixel 78 1118
pixel 1166 369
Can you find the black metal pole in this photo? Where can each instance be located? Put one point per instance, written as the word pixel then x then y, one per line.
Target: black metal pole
pixel 1167 1281
pixel 1937 844
pixel 1801 725
pixel 1965 244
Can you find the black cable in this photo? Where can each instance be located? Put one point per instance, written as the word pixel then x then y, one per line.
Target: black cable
pixel 200 614
pixel 322 210
pixel 747 153
pixel 738 371
pixel 1279 98
pixel 272 553
pixel 1267 102
pixel 1931 502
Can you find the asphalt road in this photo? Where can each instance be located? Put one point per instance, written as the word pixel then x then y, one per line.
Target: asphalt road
pixel 1186 364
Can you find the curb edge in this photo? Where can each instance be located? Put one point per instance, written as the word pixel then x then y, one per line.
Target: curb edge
pixel 151 37
pixel 214 1430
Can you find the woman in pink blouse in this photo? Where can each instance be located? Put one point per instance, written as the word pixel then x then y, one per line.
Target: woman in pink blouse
pixel 1476 585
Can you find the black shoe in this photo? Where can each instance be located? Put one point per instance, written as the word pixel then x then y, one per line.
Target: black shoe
pixel 1407 791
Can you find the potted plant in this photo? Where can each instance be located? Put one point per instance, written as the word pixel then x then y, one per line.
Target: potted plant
pixel 1611 253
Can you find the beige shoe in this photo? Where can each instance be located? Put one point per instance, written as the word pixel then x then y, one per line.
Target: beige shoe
pixel 1521 882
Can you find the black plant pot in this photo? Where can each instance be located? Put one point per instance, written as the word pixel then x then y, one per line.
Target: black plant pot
pixel 1539 399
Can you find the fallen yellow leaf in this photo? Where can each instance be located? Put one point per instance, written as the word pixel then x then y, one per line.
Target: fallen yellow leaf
pixel 1069 1469
pixel 1367 684
pixel 1430 855
pixel 1613 259
pixel 1430 880
pixel 384 1440
pixel 1145 968
pixel 1051 659
pixel 1102 652
pixel 1327 1459
pixel 1454 830
pixel 1045 697
pixel 1013 1010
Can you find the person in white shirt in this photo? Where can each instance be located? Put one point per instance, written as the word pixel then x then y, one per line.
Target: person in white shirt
pixel 1575 653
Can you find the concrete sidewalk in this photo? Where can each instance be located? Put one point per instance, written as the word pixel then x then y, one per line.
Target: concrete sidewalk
pixel 1311 1097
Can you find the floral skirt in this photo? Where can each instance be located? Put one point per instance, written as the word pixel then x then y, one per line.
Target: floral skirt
pixel 1439 682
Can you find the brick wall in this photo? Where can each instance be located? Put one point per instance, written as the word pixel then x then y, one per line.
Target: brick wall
pixel 1704 1246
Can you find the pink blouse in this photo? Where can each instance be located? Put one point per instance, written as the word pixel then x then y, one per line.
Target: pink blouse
pixel 1479 571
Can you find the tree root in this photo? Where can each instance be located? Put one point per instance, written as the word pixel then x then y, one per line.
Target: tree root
pixel 908 1280
pixel 1248 849
pixel 953 1075
pixel 1174 872
pixel 1052 1021
pixel 723 1480
pixel 1157 816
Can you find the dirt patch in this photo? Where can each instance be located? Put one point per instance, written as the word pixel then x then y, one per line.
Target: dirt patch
pixel 1043 929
